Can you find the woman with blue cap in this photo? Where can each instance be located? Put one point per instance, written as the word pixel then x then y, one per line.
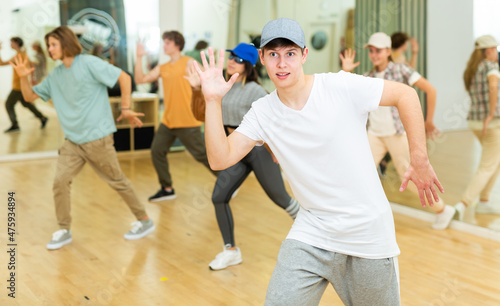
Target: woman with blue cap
pixel 235 105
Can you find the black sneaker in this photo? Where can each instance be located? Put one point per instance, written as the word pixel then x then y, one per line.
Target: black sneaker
pixel 12 129
pixel 163 195
pixel 44 122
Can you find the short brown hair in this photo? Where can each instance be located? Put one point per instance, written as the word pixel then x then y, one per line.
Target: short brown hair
pixel 18 41
pixel 176 37
pixel 69 42
pixel 398 39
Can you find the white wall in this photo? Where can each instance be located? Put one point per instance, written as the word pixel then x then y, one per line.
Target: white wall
pixel 450 41
pixel 207 20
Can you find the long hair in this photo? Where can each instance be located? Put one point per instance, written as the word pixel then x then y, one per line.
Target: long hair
pixel 250 74
pixel 70 45
pixel 476 57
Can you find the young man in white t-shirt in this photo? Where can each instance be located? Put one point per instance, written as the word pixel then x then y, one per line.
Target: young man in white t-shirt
pixel 316 127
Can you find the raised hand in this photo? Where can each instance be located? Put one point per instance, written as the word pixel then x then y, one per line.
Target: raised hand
pixel 424 177
pixel 141 49
pixel 347 59
pixel 132 117
pixel 213 84
pixel 414 45
pixel 193 77
pixel 21 66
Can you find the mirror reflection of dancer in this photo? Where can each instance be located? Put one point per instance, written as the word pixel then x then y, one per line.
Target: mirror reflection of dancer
pixel 15 95
pixel 385 130
pixel 178 120
pixel 399 45
pixel 39 63
pixel 481 79
pixel 235 105
pixel 78 90
pixel 316 127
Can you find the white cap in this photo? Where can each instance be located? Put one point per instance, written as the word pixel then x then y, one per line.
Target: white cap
pixel 486 41
pixel 379 40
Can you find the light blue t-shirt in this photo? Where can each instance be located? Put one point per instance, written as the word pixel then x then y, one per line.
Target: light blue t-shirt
pixel 80 97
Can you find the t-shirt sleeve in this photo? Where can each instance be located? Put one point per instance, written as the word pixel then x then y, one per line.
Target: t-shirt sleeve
pixel 43 89
pixel 365 92
pixel 492 68
pixel 250 126
pixel 410 76
pixel 102 71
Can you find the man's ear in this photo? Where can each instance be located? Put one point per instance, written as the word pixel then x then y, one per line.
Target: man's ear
pixel 304 55
pixel 261 56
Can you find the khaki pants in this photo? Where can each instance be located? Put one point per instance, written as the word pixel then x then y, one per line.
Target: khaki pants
pixel 484 179
pixel 101 156
pixel 398 148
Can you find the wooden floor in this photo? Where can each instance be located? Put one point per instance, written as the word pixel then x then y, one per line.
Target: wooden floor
pixel 170 266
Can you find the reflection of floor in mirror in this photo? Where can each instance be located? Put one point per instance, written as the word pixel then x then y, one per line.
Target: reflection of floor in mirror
pixel 454 157
pixel 30 138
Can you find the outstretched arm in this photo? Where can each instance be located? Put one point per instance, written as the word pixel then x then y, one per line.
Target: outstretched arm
pixel 125 88
pixel 431 130
pixel 139 76
pixel 222 151
pixel 23 71
pixel 420 170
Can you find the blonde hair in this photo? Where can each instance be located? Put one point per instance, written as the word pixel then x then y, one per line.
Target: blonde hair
pixel 476 57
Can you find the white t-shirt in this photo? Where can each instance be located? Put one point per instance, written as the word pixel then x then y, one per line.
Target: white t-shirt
pixel 323 150
pixel 381 120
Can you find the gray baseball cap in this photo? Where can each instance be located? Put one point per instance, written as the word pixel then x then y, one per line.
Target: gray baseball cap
pixel 283 28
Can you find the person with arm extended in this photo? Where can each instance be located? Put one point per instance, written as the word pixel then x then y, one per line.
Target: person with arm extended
pixel 386 133
pixel 77 88
pixel 235 104
pixel 316 127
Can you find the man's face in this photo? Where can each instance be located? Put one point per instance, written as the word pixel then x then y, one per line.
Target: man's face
pixel 284 64
pixel 55 49
pixel 169 46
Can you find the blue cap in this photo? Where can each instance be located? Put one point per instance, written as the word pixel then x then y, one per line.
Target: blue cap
pixel 247 52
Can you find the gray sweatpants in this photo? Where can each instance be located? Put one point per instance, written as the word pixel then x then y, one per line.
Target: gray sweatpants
pixel 302 273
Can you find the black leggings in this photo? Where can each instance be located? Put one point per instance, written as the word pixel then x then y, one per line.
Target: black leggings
pixel 268 174
pixel 14 96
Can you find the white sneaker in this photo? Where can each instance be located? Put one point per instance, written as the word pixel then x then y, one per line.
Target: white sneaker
pixel 140 228
pixel 443 219
pixel 59 239
pixel 225 259
pixel 487 208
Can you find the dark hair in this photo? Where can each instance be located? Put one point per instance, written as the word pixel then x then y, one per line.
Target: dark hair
pixel 201 45
pixel 70 45
pixel 281 43
pixel 176 37
pixel 18 41
pixel 251 74
pixel 398 39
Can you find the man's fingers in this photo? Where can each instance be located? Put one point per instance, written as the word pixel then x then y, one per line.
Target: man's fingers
pixel 438 184
pixel 421 195
pixel 196 66
pixel 428 195
pixel 211 57
pixel 220 62
pixel 404 183
pixel 203 60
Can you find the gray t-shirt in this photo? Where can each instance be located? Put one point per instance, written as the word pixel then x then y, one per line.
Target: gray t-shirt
pixel 238 100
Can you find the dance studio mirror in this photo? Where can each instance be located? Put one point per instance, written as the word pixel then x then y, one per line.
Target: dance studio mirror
pixel 328 25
